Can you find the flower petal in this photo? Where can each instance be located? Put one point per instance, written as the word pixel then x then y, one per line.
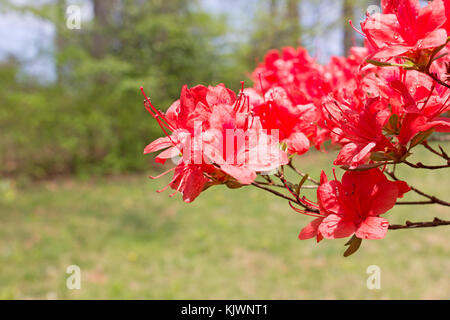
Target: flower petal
pixel 334 227
pixel 241 173
pixel 158 144
pixel 372 228
pixel 297 143
pixel 310 230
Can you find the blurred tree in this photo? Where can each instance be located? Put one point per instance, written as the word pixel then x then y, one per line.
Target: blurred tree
pixel 59 38
pixel 293 29
pixel 347 14
pixel 91 119
pixel 278 24
pixel 103 16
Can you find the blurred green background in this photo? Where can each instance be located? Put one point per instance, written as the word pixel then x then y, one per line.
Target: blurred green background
pixel 73 186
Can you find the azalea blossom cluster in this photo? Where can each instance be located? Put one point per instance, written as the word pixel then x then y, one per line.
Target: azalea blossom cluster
pixel 375 105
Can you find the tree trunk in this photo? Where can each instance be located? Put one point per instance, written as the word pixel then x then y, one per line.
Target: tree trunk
pixel 273 8
pixel 103 11
pixel 293 19
pixel 59 37
pixel 347 14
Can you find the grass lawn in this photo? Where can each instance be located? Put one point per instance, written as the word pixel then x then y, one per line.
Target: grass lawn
pixel 131 242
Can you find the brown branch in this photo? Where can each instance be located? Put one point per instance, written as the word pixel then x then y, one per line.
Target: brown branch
pixel 278 194
pixel 420 165
pixel 413 225
pixel 290 165
pixel 435 78
pixel 288 186
pixel 415 202
pixel 441 153
pixel 432 198
pixel 282 186
pixel 281 195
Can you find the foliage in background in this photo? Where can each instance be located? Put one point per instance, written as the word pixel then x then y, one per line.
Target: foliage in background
pixel 90 119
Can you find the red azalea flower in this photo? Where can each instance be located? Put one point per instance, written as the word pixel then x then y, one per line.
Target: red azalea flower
pixel 447 15
pixel 420 117
pixel 405 28
pixel 238 144
pixel 178 124
pixel 293 70
pixel 295 123
pixel 361 132
pixel 353 206
pixel 199 123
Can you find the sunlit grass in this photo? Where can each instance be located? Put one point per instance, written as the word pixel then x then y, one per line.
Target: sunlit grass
pixel 131 242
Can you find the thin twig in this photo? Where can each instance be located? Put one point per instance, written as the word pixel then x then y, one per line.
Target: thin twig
pixel 278 194
pixel 413 225
pixel 435 78
pixel 432 198
pixel 290 165
pixel 414 202
pixel 441 153
pixel 282 186
pixel 420 165
pixel 280 175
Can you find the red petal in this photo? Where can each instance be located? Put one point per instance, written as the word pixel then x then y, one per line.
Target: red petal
pixel 372 228
pixel 323 177
pixel 193 186
pixel 431 17
pixel 410 127
pixel 383 198
pixel 220 95
pixel 439 125
pixel 407 12
pixel 167 154
pixel 402 188
pixel 433 39
pixel 242 174
pixel 310 230
pixel 333 227
pixel 297 143
pixel 158 144
pixel 328 198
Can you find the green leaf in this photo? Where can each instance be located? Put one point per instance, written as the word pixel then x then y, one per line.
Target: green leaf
pixel 392 125
pixel 302 182
pixel 420 137
pixel 379 156
pixel 363 167
pixel 379 63
pixel 354 243
pixel 406 65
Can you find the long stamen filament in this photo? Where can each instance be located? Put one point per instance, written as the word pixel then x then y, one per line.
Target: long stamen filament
pixel 353 27
pixel 304 211
pixel 170 126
